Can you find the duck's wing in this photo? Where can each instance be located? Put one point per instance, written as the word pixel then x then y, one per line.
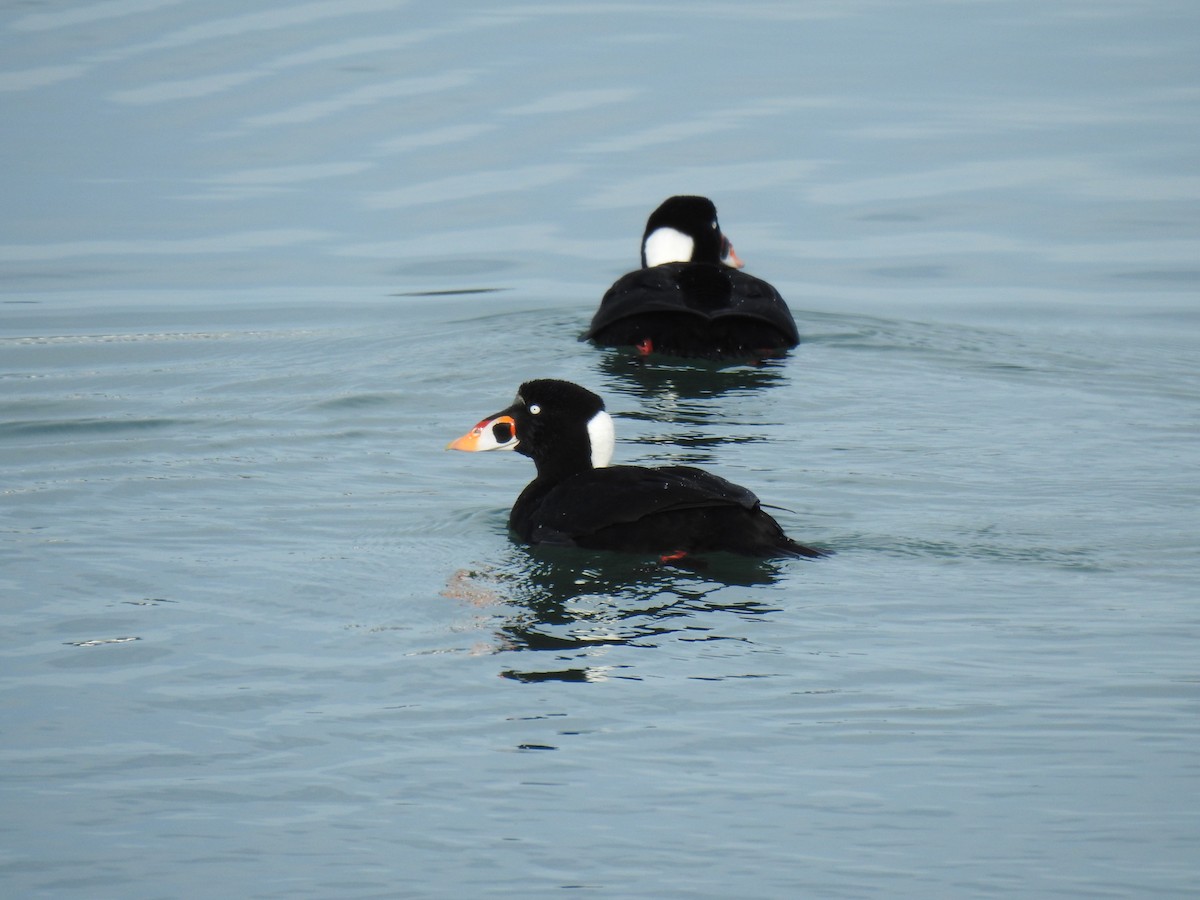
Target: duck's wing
pixel 753 298
pixel 652 290
pixel 624 495
pixel 693 289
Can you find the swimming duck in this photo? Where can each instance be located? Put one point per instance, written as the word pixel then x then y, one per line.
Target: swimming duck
pixel 579 500
pixel 689 299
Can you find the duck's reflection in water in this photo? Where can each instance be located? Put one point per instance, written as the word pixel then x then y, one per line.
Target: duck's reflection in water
pixel 576 605
pixel 685 379
pixel 684 406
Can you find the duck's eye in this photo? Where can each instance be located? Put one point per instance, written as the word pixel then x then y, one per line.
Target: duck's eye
pixel 714 224
pixel 534 409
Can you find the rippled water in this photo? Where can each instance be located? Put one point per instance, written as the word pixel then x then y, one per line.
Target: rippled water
pixel 263 638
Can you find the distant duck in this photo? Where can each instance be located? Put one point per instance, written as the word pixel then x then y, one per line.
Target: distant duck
pixel 579 500
pixel 689 299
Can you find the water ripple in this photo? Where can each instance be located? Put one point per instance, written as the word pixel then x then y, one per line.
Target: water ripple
pixel 83 428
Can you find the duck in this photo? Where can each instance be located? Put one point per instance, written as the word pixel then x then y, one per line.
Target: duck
pixel 579 499
pixel 690 298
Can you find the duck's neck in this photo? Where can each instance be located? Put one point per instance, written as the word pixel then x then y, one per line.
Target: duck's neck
pixel 581 450
pixel 563 465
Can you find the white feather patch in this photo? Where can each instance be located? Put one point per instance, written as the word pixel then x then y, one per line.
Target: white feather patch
pixel 602 437
pixel 666 245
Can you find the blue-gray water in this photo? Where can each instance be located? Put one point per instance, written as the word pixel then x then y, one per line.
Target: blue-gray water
pixel 263 638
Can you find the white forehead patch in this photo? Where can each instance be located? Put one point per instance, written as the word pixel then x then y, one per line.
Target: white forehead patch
pixel 603 437
pixel 666 245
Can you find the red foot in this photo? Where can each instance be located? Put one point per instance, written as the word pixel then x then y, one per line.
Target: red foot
pixel 645 348
pixel 672 557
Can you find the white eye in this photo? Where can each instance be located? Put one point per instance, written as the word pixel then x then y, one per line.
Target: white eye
pixel 714 224
pixel 534 409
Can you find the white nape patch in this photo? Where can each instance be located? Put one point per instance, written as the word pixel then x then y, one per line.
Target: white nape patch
pixel 603 437
pixel 667 245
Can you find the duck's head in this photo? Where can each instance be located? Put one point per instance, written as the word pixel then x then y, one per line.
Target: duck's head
pixel 685 229
pixel 561 426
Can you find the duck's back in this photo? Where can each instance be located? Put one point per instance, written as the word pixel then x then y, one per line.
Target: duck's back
pixel 694 309
pixel 650 510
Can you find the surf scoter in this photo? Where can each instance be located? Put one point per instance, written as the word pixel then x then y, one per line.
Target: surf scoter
pixel 578 500
pixel 689 299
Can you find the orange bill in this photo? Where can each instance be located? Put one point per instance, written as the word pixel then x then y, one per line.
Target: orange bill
pixel 497 433
pixel 729 256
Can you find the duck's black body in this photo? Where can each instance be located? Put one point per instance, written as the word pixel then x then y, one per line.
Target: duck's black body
pixel 689 298
pixel 667 509
pixel 694 310
pixel 576 500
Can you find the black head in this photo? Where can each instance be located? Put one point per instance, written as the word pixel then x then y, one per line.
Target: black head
pixel 561 426
pixel 685 229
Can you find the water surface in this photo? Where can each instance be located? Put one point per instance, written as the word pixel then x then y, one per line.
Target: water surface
pixel 263 638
